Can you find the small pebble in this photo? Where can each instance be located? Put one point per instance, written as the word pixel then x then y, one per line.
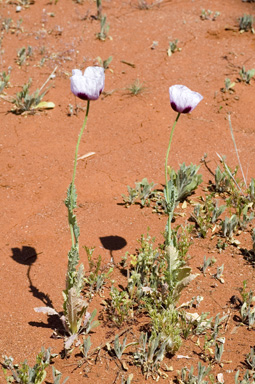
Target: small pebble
pixel 18 8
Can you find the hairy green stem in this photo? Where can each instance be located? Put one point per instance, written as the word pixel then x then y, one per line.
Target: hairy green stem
pixel 167 191
pixel 75 166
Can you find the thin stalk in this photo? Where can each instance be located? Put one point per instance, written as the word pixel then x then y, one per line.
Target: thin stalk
pixel 166 162
pixel 75 165
pixel 233 138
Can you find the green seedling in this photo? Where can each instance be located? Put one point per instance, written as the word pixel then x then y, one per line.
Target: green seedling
pixel 186 376
pixel 219 274
pixel 173 47
pixel 136 88
pixel 246 76
pixel 219 348
pixel 143 191
pixel 86 346
pixel 166 325
pixel 57 376
pixel 209 15
pixel 247 309
pixel 250 359
pixel 104 29
pixel 120 348
pixel 229 226
pixel 26 102
pixel 23 54
pixel 4 79
pixel 149 355
pixel 229 86
pixel 104 63
pixel 246 23
pixel 248 378
pixel 207 263
pixel 96 278
pixel 120 307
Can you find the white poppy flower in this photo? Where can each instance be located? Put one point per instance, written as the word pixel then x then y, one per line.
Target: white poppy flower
pixel 90 85
pixel 182 99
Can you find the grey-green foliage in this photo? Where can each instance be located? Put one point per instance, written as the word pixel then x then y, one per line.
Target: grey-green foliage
pixel 246 23
pixel 4 79
pixel 173 47
pixel 24 374
pixel 166 324
pixel 136 88
pixel 120 305
pixel 149 354
pixel 188 377
pixel 120 348
pixel 248 378
pixel 23 54
pixel 143 191
pixel 57 376
pixel 104 29
pixel 24 101
pixel 177 275
pixel 250 359
pixel 246 76
pixel 186 180
pixel 86 346
pixel 95 279
pixel 229 225
pixel 207 263
pixel 147 267
pixel 247 310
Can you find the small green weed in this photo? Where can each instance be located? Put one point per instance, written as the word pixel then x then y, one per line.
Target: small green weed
pixel 24 54
pixel 104 29
pixel 209 15
pixel 173 47
pixel 246 23
pixel 24 374
pixel 246 76
pixel 136 88
pixel 4 79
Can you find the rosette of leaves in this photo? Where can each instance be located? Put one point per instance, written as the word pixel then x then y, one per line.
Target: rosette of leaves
pixel 186 180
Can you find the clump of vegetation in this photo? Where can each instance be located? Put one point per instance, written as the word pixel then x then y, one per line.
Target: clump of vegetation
pixel 246 23
pixel 136 88
pixel 104 29
pixel 173 47
pixel 209 15
pixel 246 76
pixel 24 374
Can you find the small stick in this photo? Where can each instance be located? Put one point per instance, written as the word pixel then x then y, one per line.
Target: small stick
pixel 127 63
pixel 233 138
pixel 52 73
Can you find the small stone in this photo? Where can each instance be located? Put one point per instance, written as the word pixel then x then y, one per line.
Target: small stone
pixel 18 8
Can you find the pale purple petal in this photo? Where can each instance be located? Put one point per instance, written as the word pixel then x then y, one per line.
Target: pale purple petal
pixel 90 85
pixel 182 99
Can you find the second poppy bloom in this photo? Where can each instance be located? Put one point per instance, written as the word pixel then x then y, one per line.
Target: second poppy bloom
pixel 182 99
pixel 90 85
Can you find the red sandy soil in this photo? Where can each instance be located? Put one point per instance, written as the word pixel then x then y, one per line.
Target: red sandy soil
pixel 129 135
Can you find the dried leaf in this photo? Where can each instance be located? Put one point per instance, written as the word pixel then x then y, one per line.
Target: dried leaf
pixel 46 310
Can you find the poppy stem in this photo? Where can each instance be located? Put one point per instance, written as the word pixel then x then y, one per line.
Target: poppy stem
pixel 166 179
pixel 74 240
